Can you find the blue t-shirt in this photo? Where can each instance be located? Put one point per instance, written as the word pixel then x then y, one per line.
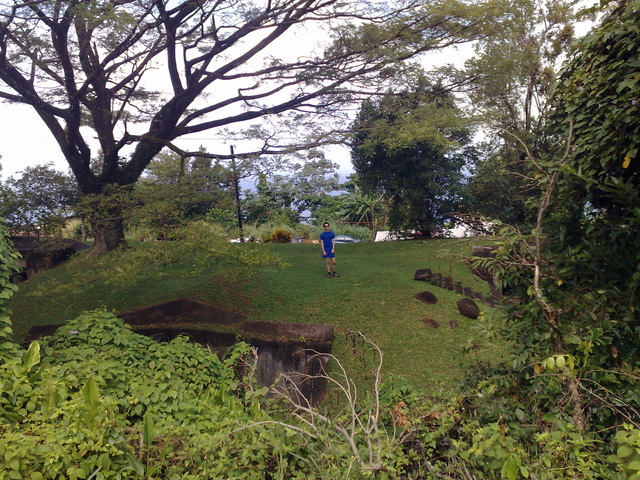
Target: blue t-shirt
pixel 327 241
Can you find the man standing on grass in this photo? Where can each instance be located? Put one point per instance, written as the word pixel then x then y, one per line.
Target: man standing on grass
pixel 328 242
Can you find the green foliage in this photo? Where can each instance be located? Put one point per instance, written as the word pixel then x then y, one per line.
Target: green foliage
pixel 627 454
pixel 279 236
pixel 8 266
pixel 306 186
pixel 221 216
pixel 512 76
pixel 410 148
pixel 598 206
pixel 198 244
pixel 39 202
pixel 175 190
pixel 360 207
pixel 599 90
pixel 104 402
pixel 566 404
pixel 497 189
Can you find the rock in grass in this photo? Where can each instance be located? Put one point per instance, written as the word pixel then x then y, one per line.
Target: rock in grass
pixel 468 308
pixel 426 297
pixel 429 322
pixel 422 274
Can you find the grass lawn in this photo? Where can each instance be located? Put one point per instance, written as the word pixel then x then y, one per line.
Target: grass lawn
pixel 374 294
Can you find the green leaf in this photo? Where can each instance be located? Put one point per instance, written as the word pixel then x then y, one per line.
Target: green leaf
pixel 135 464
pixel 148 429
pixel 510 469
pixel 625 451
pixel 32 357
pixel 91 392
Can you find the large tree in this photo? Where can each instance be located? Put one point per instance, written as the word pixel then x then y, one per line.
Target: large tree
pixel 508 83
pixel 39 201
pixel 411 147
pixel 141 74
pixel 175 189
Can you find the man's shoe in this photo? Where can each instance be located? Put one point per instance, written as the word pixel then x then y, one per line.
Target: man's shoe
pixel 328 275
pixel 335 274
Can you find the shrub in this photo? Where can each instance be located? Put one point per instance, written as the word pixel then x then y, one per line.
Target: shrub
pixel 106 403
pixel 8 266
pixel 279 236
pixel 356 231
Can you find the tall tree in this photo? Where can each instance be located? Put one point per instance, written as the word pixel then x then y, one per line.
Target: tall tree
pixel 175 189
pixel 40 201
pixel 509 82
pixel 143 74
pixel 411 147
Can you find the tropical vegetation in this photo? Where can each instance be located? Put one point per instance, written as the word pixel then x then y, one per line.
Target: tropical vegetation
pixel 544 387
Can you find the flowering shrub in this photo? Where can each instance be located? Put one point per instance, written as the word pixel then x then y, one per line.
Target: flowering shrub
pixel 279 236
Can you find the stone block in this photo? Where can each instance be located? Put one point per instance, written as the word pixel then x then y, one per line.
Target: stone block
pixel 468 308
pixel 426 297
pixel 423 274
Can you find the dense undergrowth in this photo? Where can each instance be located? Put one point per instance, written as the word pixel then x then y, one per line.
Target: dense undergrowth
pixel 98 401
pixel 95 401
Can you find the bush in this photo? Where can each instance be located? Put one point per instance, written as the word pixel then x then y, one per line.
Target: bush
pixel 104 402
pixel 279 236
pixel 361 233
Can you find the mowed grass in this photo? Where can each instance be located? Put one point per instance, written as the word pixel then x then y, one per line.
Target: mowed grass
pixel 373 295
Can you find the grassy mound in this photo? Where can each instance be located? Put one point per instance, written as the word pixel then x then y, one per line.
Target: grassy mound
pixel 287 282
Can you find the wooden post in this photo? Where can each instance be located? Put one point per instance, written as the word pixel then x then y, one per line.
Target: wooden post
pixel 237 192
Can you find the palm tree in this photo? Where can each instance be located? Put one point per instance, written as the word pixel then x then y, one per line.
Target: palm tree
pixel 364 207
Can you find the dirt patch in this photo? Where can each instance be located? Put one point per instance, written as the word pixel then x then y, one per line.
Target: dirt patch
pixel 182 312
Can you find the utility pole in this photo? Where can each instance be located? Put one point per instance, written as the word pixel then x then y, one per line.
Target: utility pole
pixel 237 191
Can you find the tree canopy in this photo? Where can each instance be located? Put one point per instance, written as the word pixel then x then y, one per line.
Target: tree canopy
pixel 138 75
pixel 508 84
pixel 39 201
pixel 411 147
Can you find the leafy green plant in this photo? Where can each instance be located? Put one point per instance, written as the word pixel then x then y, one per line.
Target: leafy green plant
pixel 279 236
pixel 8 266
pixel 108 403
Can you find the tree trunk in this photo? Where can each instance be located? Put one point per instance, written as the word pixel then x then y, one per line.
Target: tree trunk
pixel 108 234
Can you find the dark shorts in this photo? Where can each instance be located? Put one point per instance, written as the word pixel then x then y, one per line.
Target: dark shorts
pixel 329 255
